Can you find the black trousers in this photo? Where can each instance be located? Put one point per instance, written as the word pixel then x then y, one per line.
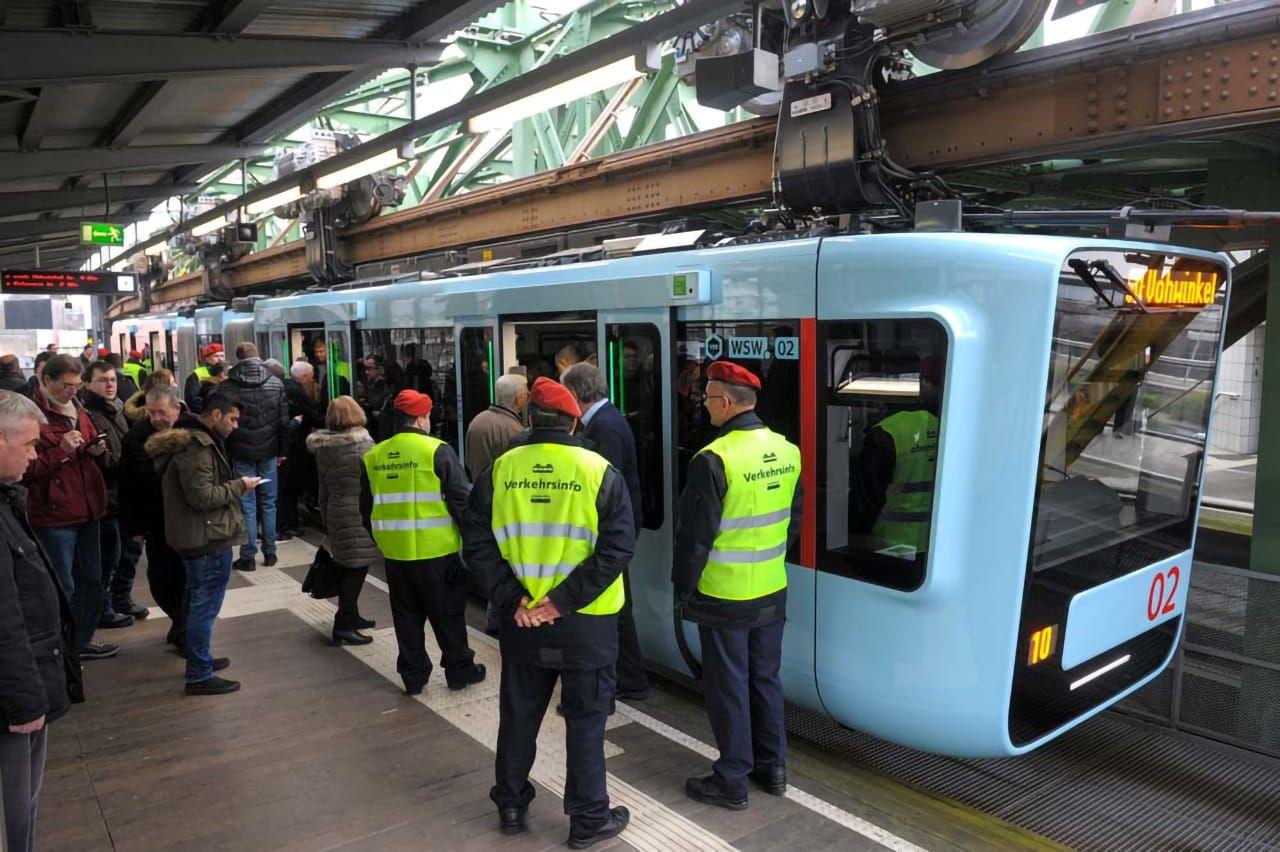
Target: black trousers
pixel 744 700
pixel 632 676
pixel 167 578
pixel 523 698
pixel 21 774
pixel 350 583
pixel 420 592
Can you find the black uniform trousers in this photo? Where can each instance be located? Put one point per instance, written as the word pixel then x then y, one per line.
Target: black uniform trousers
pixel 167 580
pixel 740 668
pixel 523 698
pixel 632 676
pixel 421 592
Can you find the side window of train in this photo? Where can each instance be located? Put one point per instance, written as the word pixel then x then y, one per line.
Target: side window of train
pixel 419 359
pixel 768 348
pixel 633 368
pixel 878 431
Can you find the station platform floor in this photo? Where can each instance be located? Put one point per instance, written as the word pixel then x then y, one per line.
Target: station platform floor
pixel 322 750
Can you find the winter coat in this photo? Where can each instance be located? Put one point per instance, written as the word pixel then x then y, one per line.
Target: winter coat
pixel 15 382
pixel 264 412
pixel 64 489
pixel 201 498
pixel 609 431
pixel 39 672
pixel 108 418
pixel 141 497
pixel 135 407
pixel 489 436
pixel 340 458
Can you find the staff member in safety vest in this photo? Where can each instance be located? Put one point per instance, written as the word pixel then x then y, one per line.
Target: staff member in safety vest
pixel 738 513
pixel 550 528
pixel 413 495
pixel 134 369
pixel 212 354
pixel 894 488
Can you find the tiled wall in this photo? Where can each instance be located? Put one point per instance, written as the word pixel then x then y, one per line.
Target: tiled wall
pixel 1235 420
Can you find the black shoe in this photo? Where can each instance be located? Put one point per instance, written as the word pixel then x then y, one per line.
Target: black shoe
pixel 632 694
pixel 212 686
pixel 220 663
pixel 513 820
pixel 617 822
pixel 363 623
pixel 138 611
pixel 114 620
pixel 773 780
pixel 708 791
pixel 270 560
pixel 414 687
pixel 350 637
pixel 476 676
pixel 245 564
pixel 99 651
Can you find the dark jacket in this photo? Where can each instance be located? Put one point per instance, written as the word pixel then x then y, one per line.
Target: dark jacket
pixel 264 412
pixel 13 382
pixel 489 436
pixel 191 391
pixel 575 641
pixel 64 488
pixel 125 386
pixel 614 440
pixel 108 418
pixel 340 458
pixel 201 498
pixel 698 514
pixel 39 672
pixel 140 496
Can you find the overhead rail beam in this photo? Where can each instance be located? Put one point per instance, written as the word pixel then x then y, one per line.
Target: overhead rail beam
pixel 42 57
pixel 39 201
pixel 619 46
pixel 56 162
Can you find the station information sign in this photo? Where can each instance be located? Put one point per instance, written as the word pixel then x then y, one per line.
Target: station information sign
pixel 63 282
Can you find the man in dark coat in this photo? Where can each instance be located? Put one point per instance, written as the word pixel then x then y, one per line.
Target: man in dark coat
pixel 11 378
pixel 299 481
pixel 607 430
pixel 142 510
pixel 39 672
pixel 256 446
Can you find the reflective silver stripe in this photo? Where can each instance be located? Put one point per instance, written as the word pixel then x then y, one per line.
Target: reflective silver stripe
pixel 535 571
pixel 905 517
pixel 544 531
pixel 418 524
pixel 911 488
pixel 407 497
pixel 744 556
pixel 752 521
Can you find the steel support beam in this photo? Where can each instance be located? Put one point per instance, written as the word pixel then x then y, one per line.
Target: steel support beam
pixel 40 57
pixel 39 201
pixel 15 165
pixel 36 125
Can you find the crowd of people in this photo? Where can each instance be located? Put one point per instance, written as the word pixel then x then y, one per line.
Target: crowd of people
pixel 99 463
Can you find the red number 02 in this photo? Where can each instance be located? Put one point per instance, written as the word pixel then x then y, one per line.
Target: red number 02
pixel 1158 603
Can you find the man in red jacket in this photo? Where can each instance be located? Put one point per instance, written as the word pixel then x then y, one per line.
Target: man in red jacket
pixel 68 497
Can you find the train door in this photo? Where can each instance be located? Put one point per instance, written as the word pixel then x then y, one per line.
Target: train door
pixel 182 352
pixel 327 347
pixel 477 365
pixel 548 344
pixel 159 354
pixel 277 346
pixel 237 331
pixel 635 354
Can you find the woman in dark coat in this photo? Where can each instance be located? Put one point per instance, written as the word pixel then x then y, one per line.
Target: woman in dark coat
pixel 339 449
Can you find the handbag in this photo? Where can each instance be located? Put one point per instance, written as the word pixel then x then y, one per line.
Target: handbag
pixel 322 579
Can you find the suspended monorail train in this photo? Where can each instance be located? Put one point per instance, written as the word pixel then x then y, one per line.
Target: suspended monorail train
pixel 1060 391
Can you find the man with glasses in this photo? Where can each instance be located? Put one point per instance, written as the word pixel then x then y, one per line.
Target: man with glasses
pixel 68 497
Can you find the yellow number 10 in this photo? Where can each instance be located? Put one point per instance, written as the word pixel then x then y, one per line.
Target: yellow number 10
pixel 1041 645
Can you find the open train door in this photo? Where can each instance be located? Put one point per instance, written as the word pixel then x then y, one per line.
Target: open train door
pixel 634 349
pixel 478 363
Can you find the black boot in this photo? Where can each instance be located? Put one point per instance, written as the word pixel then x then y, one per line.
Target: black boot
pixel 513 820
pixel 771 779
pixel 618 819
pixel 476 675
pixel 350 637
pixel 707 790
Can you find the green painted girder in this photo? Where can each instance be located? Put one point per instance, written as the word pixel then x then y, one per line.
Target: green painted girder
pixel 651 115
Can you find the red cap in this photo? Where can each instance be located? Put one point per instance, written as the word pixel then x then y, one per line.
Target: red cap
pixel 134 353
pixel 731 374
pixel 103 351
pixel 412 403
pixel 550 395
pixel 211 349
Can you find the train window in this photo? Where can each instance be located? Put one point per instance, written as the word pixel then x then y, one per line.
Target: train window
pixel 478 363
pixel 634 372
pixel 547 345
pixel 878 430
pixel 334 362
pixel 418 358
pixel 768 348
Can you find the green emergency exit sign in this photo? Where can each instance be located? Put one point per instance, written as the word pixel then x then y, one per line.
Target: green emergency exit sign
pixel 101 234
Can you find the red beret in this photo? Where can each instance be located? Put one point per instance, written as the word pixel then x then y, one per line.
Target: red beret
pixel 732 374
pixel 103 351
pixel 211 349
pixel 553 396
pixel 412 403
pixel 134 353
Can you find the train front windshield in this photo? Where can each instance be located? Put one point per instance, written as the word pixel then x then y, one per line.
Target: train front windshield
pixel 1126 419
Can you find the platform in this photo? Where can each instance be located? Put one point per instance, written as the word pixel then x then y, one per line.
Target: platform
pixel 321 750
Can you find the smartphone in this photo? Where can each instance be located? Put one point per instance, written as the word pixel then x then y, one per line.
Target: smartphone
pixel 97 439
pixel 263 481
